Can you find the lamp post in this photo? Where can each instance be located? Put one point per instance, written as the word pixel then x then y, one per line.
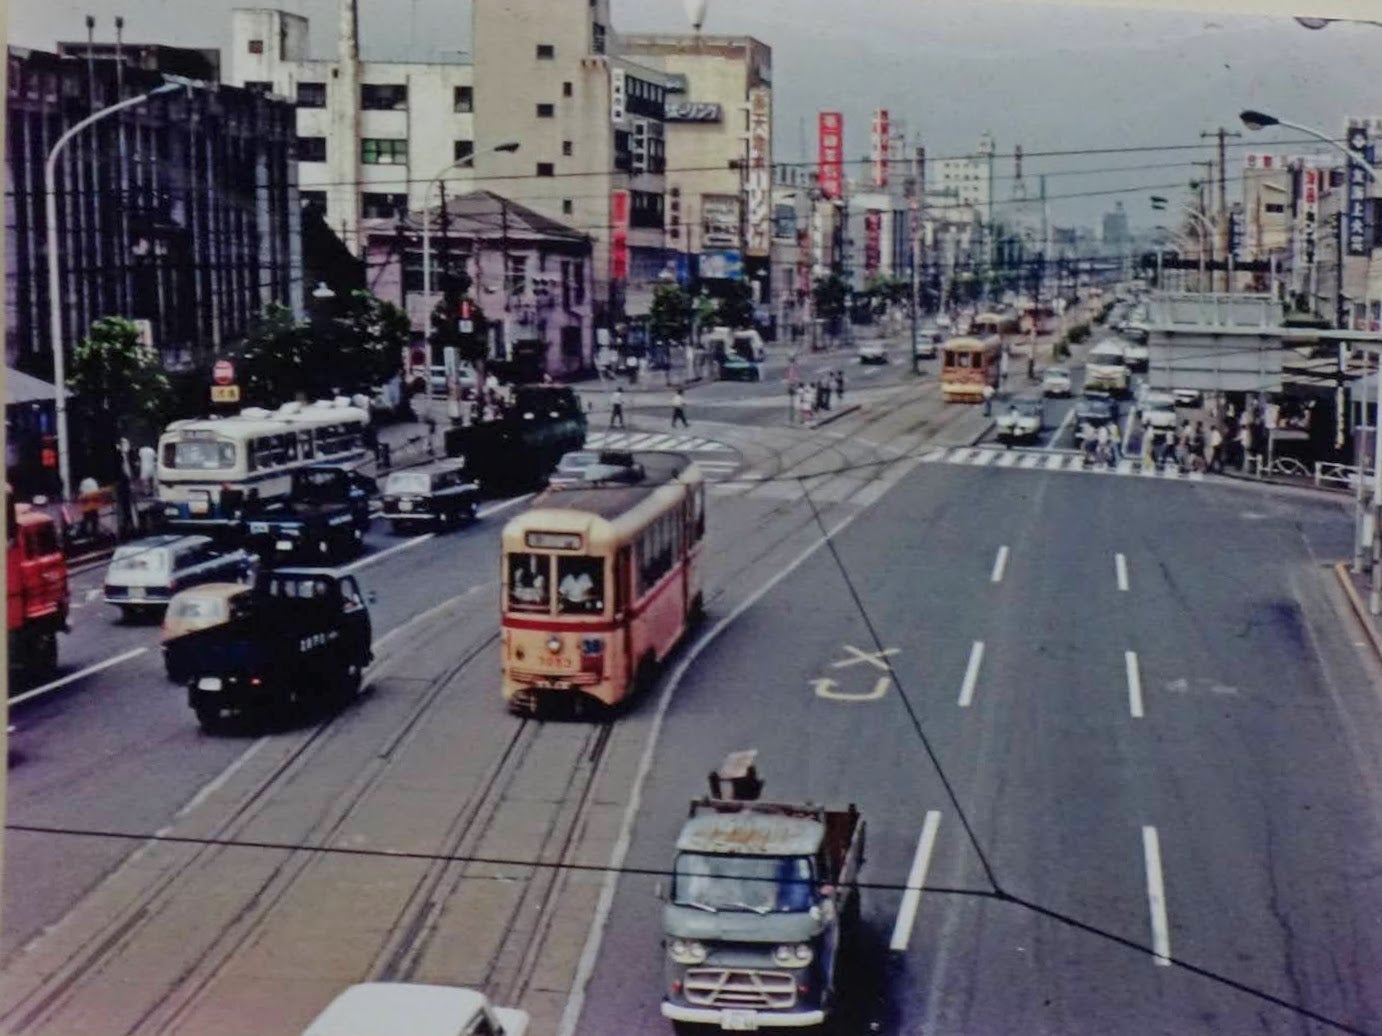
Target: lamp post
pixel 50 214
pixel 510 147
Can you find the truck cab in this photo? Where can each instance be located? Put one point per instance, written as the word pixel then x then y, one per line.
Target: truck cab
pixel 37 597
pixel 322 520
pixel 761 897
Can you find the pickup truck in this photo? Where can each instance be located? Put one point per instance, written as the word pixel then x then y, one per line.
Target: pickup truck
pixel 299 636
pixel 763 901
pixel 322 520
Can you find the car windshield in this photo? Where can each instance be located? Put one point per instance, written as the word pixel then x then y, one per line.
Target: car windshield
pixel 1028 407
pixel 401 482
pixel 198 609
pixel 136 558
pixel 575 463
pixel 759 884
pixel 1057 373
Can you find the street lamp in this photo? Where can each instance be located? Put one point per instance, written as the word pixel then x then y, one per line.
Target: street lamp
pixel 509 146
pixel 50 214
pixel 1255 120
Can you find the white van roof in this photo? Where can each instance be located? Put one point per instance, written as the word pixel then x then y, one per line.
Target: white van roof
pixel 393 1008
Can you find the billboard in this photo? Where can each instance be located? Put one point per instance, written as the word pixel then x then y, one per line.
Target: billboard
pixel 726 264
pixel 879 142
pixel 830 153
pixel 1310 180
pixel 692 111
pixel 719 221
pixel 758 184
pixel 619 235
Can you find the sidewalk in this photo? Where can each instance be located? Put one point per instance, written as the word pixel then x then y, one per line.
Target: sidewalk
pixel 1357 586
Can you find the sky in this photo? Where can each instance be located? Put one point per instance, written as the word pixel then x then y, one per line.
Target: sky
pixel 1050 78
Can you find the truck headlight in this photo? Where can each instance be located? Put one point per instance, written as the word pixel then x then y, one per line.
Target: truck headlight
pixel 687 951
pixel 796 955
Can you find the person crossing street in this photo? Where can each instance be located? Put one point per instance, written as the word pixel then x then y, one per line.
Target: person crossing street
pixel 616 408
pixel 679 409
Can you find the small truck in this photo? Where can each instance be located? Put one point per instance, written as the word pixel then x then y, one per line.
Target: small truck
pixel 763 895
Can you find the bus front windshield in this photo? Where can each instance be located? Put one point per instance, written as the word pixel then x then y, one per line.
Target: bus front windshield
pixel 199 455
pixel 579 582
pixel 761 884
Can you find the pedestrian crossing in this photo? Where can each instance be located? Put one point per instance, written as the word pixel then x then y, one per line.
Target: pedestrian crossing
pixel 716 460
pixel 1041 460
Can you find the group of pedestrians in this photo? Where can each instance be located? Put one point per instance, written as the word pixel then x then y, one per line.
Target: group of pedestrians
pixel 814 397
pixel 1228 441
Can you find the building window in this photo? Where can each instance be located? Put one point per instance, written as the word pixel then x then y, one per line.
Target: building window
pixel 597 39
pixel 567 90
pixel 311 95
pixel 463 99
pixel 546 111
pixel 546 169
pixel 256 46
pixel 313 198
pixel 259 86
pixel 462 149
pixel 311 149
pixel 546 52
pixel 516 278
pixel 387 97
pixel 646 210
pixel 382 206
pixel 567 206
pixel 1276 207
pixel 567 148
pixel 383 151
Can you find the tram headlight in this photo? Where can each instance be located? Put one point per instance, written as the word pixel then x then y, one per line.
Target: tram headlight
pixel 793 956
pixel 687 951
pixel 554 644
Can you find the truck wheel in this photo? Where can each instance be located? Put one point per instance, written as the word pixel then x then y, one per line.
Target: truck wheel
pixel 348 683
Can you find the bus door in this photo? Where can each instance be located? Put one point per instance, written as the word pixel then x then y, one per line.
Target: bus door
pixel 623 604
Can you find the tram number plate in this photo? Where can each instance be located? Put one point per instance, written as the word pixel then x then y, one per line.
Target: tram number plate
pixel 739 1021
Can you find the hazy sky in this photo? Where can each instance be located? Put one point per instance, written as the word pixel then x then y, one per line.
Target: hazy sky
pixel 1048 78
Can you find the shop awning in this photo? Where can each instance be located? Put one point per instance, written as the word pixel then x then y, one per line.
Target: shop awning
pixel 25 388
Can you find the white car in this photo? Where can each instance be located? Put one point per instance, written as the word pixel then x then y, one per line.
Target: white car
pixel 1023 419
pixel 1055 381
pixel 393 1008
pixel 1157 409
pixel 873 352
pixel 144 575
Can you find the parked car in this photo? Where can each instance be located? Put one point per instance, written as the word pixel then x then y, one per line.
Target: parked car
pixel 873 353
pixel 393 1008
pixel 1055 381
pixel 929 339
pixel 1023 419
pixel 144 575
pixel 440 494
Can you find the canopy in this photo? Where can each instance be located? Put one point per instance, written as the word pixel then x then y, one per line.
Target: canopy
pixel 25 388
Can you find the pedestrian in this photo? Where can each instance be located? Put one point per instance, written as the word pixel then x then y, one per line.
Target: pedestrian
pixel 804 403
pixel 840 386
pixel 791 402
pixel 825 391
pixel 1102 437
pixel 1149 438
pixel 1216 449
pixel 1197 445
pixel 679 409
pixel 818 393
pixel 616 407
pixel 988 400
pixel 1115 442
pixel 147 466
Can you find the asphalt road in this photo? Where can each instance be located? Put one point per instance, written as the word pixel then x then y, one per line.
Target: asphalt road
pixel 1254 759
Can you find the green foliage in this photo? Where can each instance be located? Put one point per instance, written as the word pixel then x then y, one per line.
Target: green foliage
pixel 735 308
pixel 118 380
pixel 830 294
pixel 279 359
pixel 1078 333
pixel 669 319
pixel 370 336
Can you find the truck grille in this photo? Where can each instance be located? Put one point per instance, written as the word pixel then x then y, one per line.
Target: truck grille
pixel 740 987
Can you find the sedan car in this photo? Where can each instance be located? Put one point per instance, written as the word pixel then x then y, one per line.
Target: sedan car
pixel 144 575
pixel 1157 409
pixel 572 467
pixel 1055 381
pixel 873 353
pixel 929 339
pixel 1188 397
pixel 1024 419
pixel 439 494
pixel 1090 413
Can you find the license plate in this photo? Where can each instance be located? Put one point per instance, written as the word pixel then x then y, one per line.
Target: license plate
pixel 405 505
pixel 284 544
pixel 198 507
pixel 137 593
pixel 259 528
pixel 739 1021
pixel 209 683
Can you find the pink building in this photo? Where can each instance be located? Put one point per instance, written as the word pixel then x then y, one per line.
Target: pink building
pixel 530 276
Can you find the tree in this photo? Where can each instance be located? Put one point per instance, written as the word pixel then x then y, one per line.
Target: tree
pixel 735 307
pixel 372 337
pixel 669 319
pixel 829 294
pixel 280 358
pixel 120 387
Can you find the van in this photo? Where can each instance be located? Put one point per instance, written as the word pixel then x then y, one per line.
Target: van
pixel 1106 368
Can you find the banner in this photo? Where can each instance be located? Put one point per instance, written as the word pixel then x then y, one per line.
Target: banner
pixel 618 96
pixel 758 185
pixel 619 235
pixel 1356 224
pixel 830 154
pixel 1309 210
pixel 879 143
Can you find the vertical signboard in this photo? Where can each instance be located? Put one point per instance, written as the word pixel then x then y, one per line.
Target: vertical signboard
pixel 1356 224
pixel 817 241
pixel 758 185
pixel 873 241
pixel 1309 211
pixel 618 96
pixel 879 143
pixel 619 235
pixel 830 154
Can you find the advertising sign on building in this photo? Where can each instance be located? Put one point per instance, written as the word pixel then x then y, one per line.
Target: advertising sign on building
pixel 830 153
pixel 817 242
pixel 879 142
pixel 758 185
pixel 723 265
pixel 1235 232
pixel 1254 160
pixel 691 111
pixel 873 240
pixel 1356 225
pixel 618 96
pixel 1309 211
pixel 719 221
pixel 619 235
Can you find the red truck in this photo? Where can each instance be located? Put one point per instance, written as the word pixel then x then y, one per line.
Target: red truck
pixel 36 587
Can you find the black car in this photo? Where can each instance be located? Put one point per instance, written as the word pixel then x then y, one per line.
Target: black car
pixel 439 494
pixel 1091 412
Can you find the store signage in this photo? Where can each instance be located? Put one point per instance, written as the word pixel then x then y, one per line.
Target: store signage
pixel 873 240
pixel 723 265
pixel 618 96
pixel 719 221
pixel 758 184
pixel 1356 225
pixel 619 235
pixel 878 147
pixel 830 153
pixel 692 111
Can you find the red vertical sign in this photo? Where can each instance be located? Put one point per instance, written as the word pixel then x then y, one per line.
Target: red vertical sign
pixel 619 235
pixel 873 241
pixel 831 153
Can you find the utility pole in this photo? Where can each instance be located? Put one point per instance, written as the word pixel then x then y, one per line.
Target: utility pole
pixel 1223 135
pixel 914 212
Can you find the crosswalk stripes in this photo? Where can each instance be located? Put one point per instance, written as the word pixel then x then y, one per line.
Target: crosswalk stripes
pixel 964 456
pixel 654 441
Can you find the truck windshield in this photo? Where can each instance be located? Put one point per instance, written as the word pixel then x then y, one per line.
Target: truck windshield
pixel 407 482
pixel 762 884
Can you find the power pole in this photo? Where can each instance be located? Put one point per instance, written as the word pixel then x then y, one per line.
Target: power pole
pixel 914 212
pixel 1223 136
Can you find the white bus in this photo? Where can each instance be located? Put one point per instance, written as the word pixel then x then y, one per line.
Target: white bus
pixel 254 453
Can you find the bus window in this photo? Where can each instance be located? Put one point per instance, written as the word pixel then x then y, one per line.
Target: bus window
pixel 305 449
pixel 580 585
pixel 530 582
pixel 199 455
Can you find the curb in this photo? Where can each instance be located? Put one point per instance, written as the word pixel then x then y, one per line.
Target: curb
pixel 852 408
pixel 1360 609
pixel 983 432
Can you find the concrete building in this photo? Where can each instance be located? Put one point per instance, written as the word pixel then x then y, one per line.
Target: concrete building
pixel 371 135
pixel 1114 236
pixel 961 188
pixel 180 213
pixel 590 121
pixel 528 271
pixel 723 204
pixel 789 284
